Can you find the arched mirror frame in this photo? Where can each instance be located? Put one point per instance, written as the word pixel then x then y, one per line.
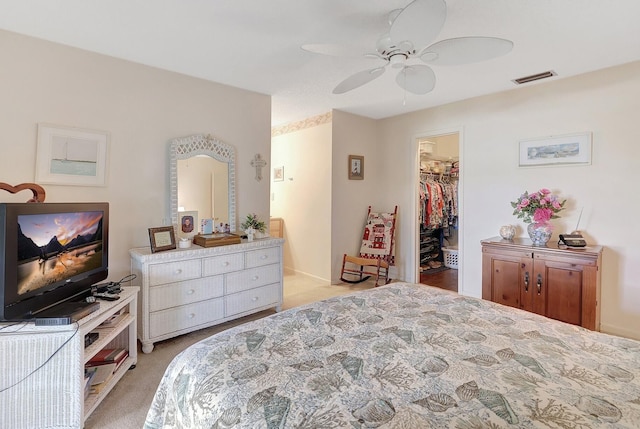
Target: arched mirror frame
pixel 201 144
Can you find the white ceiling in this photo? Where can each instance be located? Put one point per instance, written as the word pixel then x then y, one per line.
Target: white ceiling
pixel 255 44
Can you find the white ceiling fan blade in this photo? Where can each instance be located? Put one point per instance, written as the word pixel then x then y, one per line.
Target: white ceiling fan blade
pixel 465 50
pixel 333 50
pixel 420 22
pixel 418 79
pixel 357 80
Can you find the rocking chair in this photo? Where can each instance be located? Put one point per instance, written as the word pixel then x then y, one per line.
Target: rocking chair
pixel 376 250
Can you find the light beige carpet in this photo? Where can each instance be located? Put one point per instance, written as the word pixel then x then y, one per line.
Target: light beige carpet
pixel 126 405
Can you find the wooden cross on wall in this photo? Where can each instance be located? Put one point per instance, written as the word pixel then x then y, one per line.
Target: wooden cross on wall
pixel 258 163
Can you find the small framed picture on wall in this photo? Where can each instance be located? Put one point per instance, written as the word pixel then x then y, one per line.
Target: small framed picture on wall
pixel 278 174
pixel 356 167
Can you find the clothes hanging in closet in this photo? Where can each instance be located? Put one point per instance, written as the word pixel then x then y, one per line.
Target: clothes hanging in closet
pixel 438 202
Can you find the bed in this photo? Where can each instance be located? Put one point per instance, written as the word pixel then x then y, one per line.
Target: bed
pixel 402 356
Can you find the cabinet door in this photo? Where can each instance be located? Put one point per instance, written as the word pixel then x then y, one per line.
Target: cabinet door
pixel 528 287
pixel 504 277
pixel 561 290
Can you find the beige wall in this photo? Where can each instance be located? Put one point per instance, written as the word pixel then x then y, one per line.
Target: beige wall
pixel 142 108
pixel 605 103
pixel 355 135
pixel 303 198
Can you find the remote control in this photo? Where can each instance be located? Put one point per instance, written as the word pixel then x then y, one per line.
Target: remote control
pixel 107 296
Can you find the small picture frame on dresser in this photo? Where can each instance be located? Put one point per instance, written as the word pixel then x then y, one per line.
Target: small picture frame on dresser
pixel 162 238
pixel 187 224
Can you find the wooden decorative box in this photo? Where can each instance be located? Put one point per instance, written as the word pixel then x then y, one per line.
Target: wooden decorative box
pixel 217 239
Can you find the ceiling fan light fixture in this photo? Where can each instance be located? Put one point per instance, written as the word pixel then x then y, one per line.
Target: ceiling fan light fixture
pixel 397 60
pixel 534 77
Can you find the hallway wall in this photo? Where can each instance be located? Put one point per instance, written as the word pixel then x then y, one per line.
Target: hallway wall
pixel 303 198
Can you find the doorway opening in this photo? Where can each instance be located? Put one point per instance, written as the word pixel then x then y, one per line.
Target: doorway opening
pixel 438 210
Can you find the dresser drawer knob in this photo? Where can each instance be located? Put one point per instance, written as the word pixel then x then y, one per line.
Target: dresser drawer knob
pixel 254 278
pixel 254 299
pixel 191 292
pixel 225 264
pixel 192 315
pixel 264 257
pixel 178 271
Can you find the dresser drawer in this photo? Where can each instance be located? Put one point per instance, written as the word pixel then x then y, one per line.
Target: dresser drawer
pixel 250 299
pixel 176 294
pixel 222 264
pixel 255 277
pixel 266 256
pixel 174 272
pixel 185 317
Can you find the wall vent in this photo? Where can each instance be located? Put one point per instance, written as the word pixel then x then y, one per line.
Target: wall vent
pixel 533 77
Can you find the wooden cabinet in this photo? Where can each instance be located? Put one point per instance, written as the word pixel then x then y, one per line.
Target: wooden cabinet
pixel 188 289
pixel 43 366
pixel 563 284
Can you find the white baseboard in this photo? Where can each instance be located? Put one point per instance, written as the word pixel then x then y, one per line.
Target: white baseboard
pixel 291 271
pixel 621 332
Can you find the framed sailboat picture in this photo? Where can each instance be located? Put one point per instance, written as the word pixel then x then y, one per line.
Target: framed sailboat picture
pixel 71 156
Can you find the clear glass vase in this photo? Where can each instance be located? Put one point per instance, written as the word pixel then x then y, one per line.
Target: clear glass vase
pixel 540 233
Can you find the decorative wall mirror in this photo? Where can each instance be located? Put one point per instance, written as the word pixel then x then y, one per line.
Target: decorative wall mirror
pixel 202 171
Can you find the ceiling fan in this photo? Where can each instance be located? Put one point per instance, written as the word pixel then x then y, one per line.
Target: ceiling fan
pixel 408 47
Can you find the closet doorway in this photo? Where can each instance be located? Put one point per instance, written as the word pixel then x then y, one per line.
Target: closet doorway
pixel 438 210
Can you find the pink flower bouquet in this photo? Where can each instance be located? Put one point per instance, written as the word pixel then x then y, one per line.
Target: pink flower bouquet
pixel 538 207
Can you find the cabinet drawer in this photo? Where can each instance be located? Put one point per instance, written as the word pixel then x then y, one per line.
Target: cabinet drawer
pixel 255 277
pixel 174 272
pixel 250 299
pixel 176 294
pixel 222 264
pixel 260 257
pixel 186 316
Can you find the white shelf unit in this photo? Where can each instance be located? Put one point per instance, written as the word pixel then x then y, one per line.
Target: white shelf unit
pixel 42 367
pixel 188 289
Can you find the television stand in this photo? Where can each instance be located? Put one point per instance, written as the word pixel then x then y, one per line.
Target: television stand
pixel 42 383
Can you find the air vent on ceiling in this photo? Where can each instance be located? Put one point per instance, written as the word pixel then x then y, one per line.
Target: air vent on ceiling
pixel 533 77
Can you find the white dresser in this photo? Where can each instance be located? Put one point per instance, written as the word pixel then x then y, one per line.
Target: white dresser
pixel 184 290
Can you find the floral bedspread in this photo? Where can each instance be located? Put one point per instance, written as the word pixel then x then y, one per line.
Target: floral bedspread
pixel 402 356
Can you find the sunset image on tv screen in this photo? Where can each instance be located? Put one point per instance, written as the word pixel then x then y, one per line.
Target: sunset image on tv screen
pixel 56 247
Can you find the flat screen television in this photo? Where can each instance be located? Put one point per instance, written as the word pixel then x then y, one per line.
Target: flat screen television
pixel 50 253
